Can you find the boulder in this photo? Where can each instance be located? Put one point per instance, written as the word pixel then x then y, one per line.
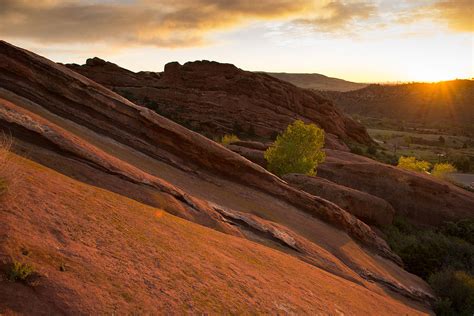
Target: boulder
pixel 368 208
pixel 422 198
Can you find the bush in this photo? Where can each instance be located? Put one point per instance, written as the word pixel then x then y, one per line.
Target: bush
pixel 357 150
pixel 440 170
pixel 426 251
pixel 463 229
pixel 371 150
pixel 440 256
pixel 457 291
pixel 229 139
pixel 411 163
pixel 297 150
pixel 19 271
pixel 462 162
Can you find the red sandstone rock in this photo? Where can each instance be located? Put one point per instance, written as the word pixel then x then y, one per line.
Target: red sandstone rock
pixel 216 99
pixel 371 209
pixel 87 132
pixel 422 198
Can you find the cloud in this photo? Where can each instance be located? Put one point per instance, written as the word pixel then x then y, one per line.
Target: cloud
pixel 186 23
pixel 142 22
pixel 337 16
pixel 457 14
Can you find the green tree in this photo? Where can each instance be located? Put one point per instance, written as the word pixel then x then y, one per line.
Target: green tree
pixel 457 290
pixel 297 150
pixel 462 162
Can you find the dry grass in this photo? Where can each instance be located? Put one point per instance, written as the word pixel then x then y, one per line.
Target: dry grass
pixel 6 170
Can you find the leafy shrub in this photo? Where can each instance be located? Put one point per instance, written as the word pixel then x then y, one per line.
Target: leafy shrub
pixel 440 170
pixel 297 150
pixel 457 291
pixel 229 139
pixel 463 229
pixel 411 163
pixel 19 271
pixel 356 150
pixel 441 257
pixel 425 251
pixel 462 162
pixel 371 150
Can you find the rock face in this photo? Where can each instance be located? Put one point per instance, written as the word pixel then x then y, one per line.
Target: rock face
pixel 371 209
pixel 98 139
pixel 215 99
pixel 96 252
pixel 422 198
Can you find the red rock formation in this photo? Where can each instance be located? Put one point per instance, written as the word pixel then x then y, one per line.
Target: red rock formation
pixel 79 128
pixel 215 99
pixel 65 93
pixel 371 209
pixel 421 198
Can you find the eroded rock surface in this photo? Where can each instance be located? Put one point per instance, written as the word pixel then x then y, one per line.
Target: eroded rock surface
pixel 79 128
pixel 215 99
pixel 421 198
pixel 371 209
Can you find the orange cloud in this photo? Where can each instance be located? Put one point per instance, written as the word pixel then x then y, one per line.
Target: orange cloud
pixel 144 22
pixel 339 16
pixel 185 23
pixel 457 14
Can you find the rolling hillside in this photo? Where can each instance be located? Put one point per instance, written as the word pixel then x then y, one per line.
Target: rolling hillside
pixel 448 103
pixel 318 82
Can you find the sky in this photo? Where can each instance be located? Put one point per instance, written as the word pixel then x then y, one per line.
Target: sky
pixel 359 40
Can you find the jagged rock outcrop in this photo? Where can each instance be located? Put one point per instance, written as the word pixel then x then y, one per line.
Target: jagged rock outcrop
pixel 215 99
pixel 371 209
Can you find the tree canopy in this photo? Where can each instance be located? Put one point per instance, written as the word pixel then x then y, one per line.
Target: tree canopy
pixel 297 150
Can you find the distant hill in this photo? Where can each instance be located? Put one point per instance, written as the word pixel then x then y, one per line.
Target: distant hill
pixel 317 81
pixel 448 103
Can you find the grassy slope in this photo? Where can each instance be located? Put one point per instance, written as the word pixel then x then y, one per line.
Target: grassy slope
pixel 124 256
